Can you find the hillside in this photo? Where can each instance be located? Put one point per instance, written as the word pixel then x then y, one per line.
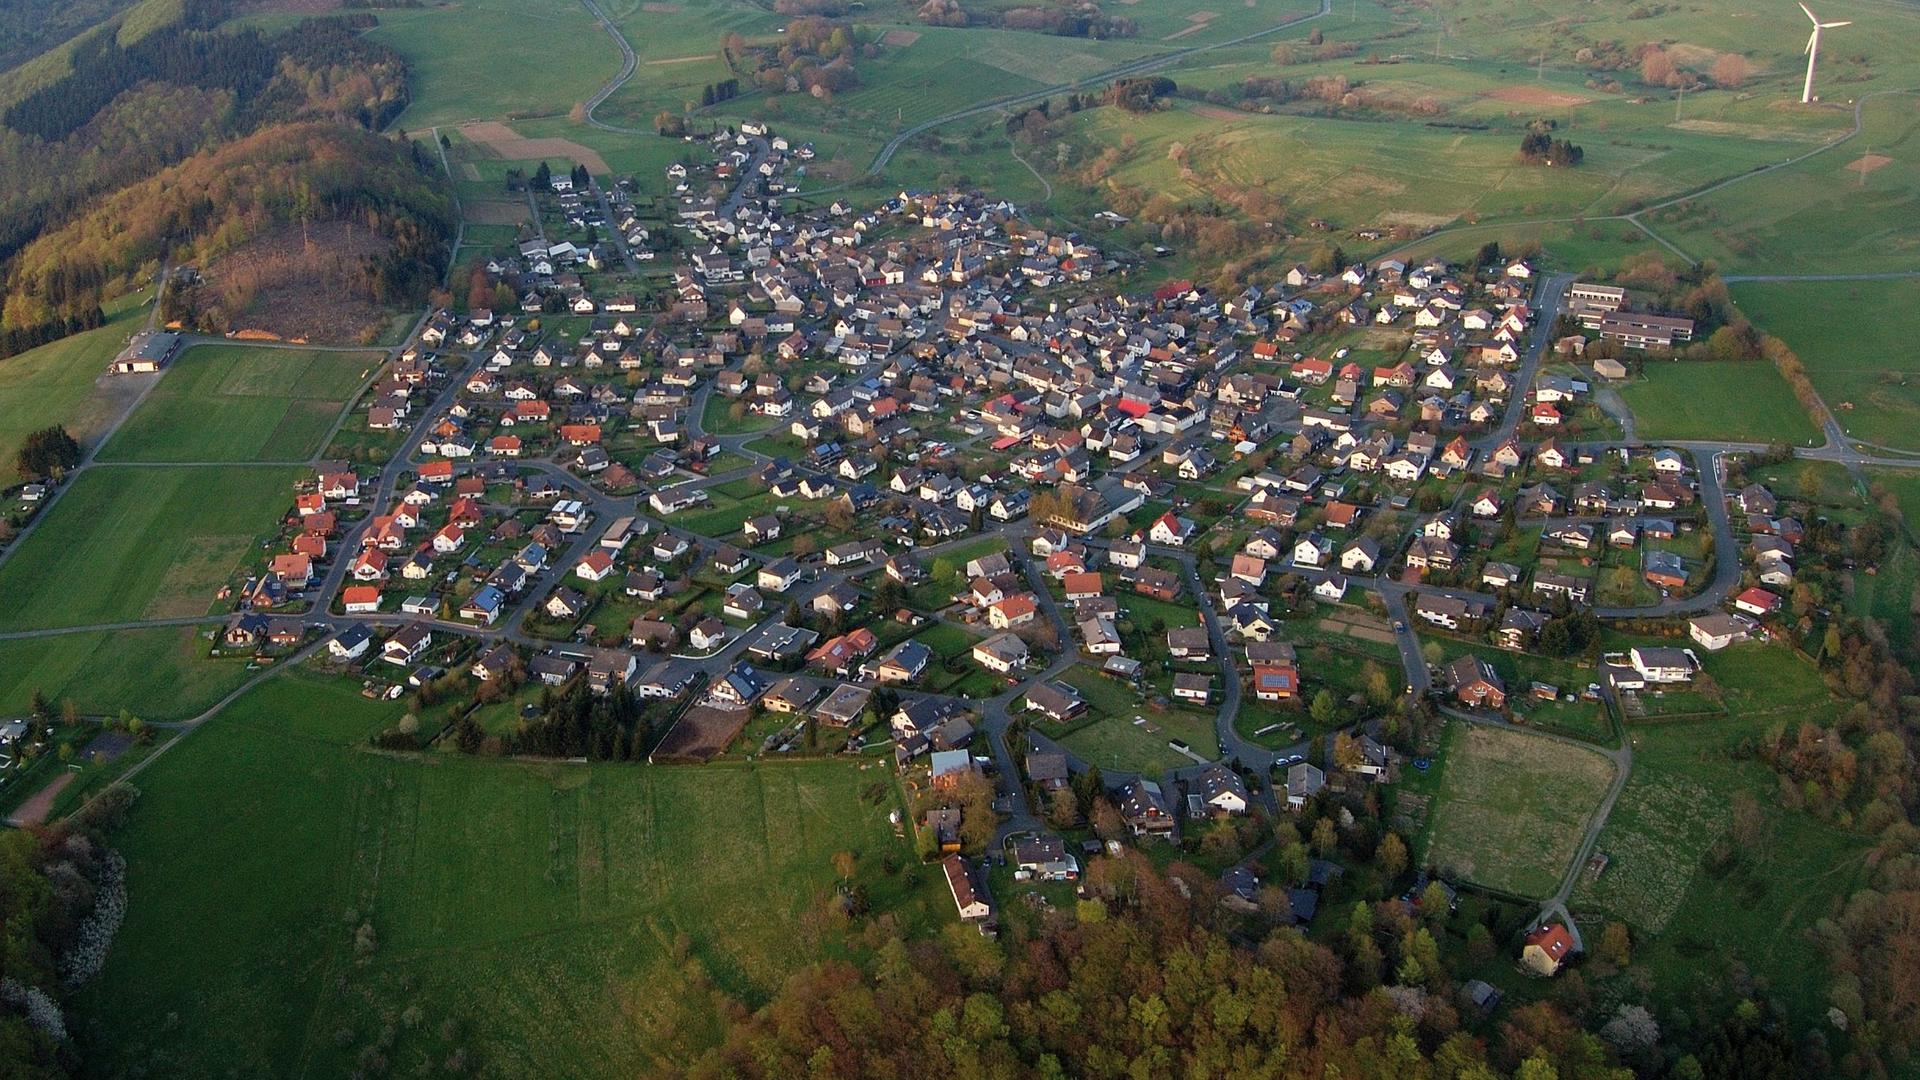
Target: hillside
pixel 144 90
pixel 29 27
pixel 217 201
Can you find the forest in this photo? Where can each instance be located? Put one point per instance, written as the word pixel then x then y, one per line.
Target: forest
pixel 124 113
pixel 1149 975
pixel 63 898
pixel 288 174
pixel 29 27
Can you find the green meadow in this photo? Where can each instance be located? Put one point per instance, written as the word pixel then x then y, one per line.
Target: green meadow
pixel 242 403
pixel 535 918
pixel 1840 211
pixel 495 60
pixel 131 543
pixel 1856 340
pixel 54 384
pixel 1698 922
pixel 158 673
pixel 1740 401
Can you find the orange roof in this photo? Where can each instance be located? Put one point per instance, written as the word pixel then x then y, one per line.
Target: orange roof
pixel 1553 939
pixel 361 594
pixel 1016 606
pixel 1087 582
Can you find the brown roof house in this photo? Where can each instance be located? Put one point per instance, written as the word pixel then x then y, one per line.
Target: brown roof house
pixel 1476 684
pixel 1547 948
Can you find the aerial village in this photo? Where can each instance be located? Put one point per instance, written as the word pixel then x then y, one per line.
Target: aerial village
pixel 922 482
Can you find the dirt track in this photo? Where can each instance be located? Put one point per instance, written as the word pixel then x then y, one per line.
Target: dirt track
pixel 1537 95
pixel 35 810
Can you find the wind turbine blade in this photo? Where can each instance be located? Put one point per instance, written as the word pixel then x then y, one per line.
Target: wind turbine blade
pixel 1810 15
pixel 1812 39
pixel 1831 25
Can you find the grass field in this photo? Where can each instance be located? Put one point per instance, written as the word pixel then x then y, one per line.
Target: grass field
pixel 54 384
pixel 160 673
pixel 1739 401
pixel 1817 216
pixel 1904 486
pixel 242 403
pixel 1116 743
pixel 1856 340
pixel 493 59
pixel 542 917
pixel 1511 807
pixel 1892 595
pixel 141 543
pixel 1696 919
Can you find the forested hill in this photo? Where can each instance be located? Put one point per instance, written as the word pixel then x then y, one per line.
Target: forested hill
pixel 29 27
pixel 288 174
pixel 155 86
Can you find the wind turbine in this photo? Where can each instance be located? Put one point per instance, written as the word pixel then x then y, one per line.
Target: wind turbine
pixel 1813 49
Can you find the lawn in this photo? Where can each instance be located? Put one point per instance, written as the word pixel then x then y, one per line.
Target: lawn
pixel 719 419
pixel 542 918
pixel 160 673
pixel 1580 719
pixel 1116 743
pixel 1113 741
pixel 141 543
pixel 1511 807
pixel 1865 368
pixel 54 384
pixel 1763 681
pixel 242 403
pixel 1687 399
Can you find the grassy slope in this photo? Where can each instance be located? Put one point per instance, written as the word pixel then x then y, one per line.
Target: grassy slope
pixel 1817 216
pixel 1856 340
pixel 241 403
pixel 492 59
pixel 53 384
pixel 533 907
pixel 130 543
pixel 1693 925
pixel 1747 402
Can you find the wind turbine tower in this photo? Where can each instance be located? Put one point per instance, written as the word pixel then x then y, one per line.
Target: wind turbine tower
pixel 1813 49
